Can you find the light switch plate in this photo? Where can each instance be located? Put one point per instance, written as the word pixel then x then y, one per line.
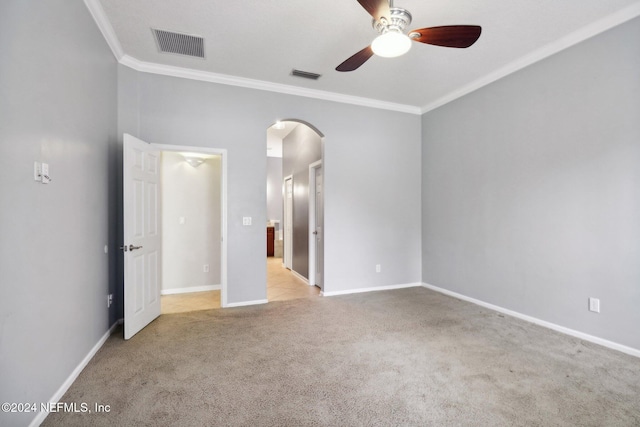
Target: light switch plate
pixel 37 171
pixel 45 173
pixel 246 220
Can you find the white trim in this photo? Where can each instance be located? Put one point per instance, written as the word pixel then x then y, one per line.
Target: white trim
pixel 223 206
pixel 190 289
pixel 312 221
pixel 71 378
pixel 377 288
pixel 245 303
pixel 287 240
pixel 591 30
pixel 104 25
pixel 225 79
pixel 581 335
pixel 301 277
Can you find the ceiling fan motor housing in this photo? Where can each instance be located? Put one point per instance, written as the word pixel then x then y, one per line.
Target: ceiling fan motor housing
pixel 399 19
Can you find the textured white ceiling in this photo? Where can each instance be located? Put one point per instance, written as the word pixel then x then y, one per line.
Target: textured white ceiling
pixel 264 40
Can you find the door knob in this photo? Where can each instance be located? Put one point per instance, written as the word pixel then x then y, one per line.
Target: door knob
pixel 130 248
pixel 315 232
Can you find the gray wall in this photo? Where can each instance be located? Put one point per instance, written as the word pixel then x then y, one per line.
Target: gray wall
pixel 58 105
pixel 359 141
pixel 300 148
pixel 530 192
pixel 274 189
pixel 194 195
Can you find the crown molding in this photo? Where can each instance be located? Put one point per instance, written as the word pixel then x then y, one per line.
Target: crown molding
pixel 98 14
pixel 598 27
pixel 206 76
pixel 100 17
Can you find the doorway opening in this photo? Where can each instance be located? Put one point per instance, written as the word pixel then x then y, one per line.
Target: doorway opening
pixel 143 231
pixel 295 211
pixel 191 206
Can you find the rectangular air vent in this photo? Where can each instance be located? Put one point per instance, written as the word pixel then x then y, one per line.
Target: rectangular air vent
pixel 305 74
pixel 182 44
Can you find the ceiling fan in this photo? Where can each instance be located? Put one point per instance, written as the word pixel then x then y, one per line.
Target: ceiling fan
pixel 391 21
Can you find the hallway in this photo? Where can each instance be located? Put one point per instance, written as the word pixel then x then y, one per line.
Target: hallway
pixel 282 285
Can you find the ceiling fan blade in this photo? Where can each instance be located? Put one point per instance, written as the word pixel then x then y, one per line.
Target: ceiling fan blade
pixel 355 61
pixel 377 8
pixel 448 36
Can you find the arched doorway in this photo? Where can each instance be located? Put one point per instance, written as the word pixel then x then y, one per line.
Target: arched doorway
pixel 295 210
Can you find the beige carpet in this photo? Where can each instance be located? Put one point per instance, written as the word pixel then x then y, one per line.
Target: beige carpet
pixel 406 357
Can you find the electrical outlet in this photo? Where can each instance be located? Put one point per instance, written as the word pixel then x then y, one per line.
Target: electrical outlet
pixel 378 268
pixel 205 268
pixel 109 300
pixel 594 305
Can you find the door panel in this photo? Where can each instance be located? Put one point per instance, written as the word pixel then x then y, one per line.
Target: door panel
pixel 142 239
pixel 153 291
pixel 138 283
pixel 138 209
pixel 152 209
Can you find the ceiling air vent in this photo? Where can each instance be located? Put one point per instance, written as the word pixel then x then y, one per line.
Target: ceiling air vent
pixel 305 74
pixel 182 44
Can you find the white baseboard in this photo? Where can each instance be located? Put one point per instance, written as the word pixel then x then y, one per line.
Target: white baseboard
pixel 577 334
pixel 69 381
pixel 377 288
pixel 300 276
pixel 191 289
pixel 244 303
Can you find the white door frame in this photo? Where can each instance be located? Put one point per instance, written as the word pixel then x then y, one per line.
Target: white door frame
pixel 287 252
pixel 312 220
pixel 223 207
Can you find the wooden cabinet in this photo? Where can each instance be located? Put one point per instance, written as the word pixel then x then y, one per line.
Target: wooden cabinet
pixel 270 239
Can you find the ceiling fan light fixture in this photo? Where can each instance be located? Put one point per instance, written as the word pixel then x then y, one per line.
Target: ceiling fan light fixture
pixel 391 44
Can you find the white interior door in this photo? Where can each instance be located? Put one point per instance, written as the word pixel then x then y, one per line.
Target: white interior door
pixel 142 238
pixel 319 231
pixel 288 222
